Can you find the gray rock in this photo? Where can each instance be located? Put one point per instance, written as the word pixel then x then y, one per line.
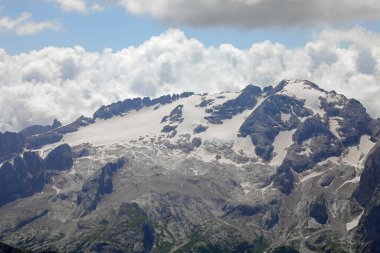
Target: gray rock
pixel 118 108
pixel 200 129
pixel 318 210
pixel 97 186
pixel 60 158
pixel 168 128
pixel 246 100
pixel 74 126
pixel 264 124
pixel 174 116
pixel 38 129
pixel 326 181
pixel 11 144
pixel 23 178
pixel 370 177
pixel 39 140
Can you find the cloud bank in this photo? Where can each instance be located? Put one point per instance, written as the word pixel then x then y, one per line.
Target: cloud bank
pixel 24 25
pixel 64 83
pixel 256 13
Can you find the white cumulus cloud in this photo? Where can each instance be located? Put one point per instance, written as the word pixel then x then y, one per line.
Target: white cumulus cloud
pixel 64 83
pixel 72 5
pixel 81 6
pixel 24 25
pixel 256 13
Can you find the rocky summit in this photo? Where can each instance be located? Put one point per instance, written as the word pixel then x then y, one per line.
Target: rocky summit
pixel 290 168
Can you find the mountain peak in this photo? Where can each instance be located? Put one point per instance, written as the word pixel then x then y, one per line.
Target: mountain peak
pixel 296 84
pixel 231 155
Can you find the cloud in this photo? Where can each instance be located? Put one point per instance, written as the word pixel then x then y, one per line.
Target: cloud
pixel 81 6
pixel 23 25
pixel 64 83
pixel 256 13
pixel 72 5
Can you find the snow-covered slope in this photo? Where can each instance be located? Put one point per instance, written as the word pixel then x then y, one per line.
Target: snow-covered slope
pixel 283 160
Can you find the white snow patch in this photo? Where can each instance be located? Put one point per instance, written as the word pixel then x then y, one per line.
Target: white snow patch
pixel 334 125
pixel 354 223
pixel 221 98
pixel 311 175
pixel 299 90
pixel 306 146
pixel 203 155
pixel 244 144
pixel 72 171
pixel 333 159
pixel 228 131
pixel 192 115
pixel 56 189
pixel 354 181
pixel 197 172
pixel 119 129
pixel 281 143
pixel 356 154
pixel 246 187
pixel 263 190
pixel 285 117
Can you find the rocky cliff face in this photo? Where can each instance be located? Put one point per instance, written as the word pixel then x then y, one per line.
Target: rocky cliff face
pixel 22 178
pixel 38 129
pixel 10 144
pixel 368 195
pixel 97 186
pixel 288 168
pixel 60 158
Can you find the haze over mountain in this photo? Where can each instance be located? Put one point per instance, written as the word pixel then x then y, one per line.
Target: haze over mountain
pixel 290 167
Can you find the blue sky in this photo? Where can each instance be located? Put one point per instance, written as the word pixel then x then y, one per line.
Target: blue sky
pixel 115 27
pixel 65 58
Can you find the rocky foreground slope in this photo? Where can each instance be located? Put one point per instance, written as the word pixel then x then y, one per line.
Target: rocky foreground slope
pixel 292 168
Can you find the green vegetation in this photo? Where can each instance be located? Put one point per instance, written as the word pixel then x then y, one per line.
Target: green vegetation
pixel 329 247
pixel 135 215
pixel 206 244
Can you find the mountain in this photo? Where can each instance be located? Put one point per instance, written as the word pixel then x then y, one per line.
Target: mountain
pixel 291 168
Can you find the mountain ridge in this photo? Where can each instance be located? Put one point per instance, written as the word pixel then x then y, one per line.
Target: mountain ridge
pixel 278 163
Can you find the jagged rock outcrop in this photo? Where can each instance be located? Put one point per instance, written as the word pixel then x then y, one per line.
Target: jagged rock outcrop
pixel 246 100
pixel 55 134
pixel 368 195
pixel 318 210
pixel 369 229
pixel 265 123
pixel 370 177
pixel 200 129
pixel 118 108
pixel 22 178
pixel 11 144
pixel 4 248
pixel 99 185
pixel 322 145
pixel 284 179
pixel 174 116
pixel 74 126
pixel 126 228
pixel 39 140
pixel 38 129
pixel 60 158
pixel 355 120
pixel 193 184
pixel 327 180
